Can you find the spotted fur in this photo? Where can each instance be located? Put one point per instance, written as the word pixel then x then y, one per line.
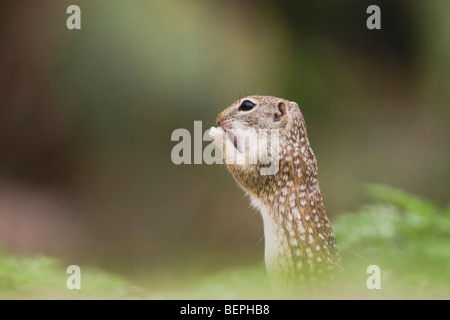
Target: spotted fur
pixel 300 245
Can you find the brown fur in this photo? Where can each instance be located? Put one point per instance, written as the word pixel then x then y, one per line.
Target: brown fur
pixel 291 201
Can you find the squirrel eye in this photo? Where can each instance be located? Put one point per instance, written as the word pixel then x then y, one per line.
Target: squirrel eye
pixel 246 106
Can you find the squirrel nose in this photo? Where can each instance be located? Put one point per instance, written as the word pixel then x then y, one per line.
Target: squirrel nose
pixel 218 119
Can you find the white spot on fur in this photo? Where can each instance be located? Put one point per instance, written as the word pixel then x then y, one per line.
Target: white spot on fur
pixel 300 227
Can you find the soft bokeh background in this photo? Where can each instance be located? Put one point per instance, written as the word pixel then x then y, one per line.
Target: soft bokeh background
pixel 86 118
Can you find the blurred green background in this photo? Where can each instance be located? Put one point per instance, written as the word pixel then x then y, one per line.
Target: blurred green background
pixel 86 118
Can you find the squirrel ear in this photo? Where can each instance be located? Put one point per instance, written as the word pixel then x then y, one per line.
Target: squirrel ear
pixel 280 112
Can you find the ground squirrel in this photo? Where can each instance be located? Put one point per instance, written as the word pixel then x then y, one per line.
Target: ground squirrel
pixel 299 243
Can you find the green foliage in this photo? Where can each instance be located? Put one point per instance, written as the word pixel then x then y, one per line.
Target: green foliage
pixel 408 237
pixel 42 277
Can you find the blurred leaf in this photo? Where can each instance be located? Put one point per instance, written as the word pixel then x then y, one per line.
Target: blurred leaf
pixel 401 199
pixel 406 235
pixel 39 277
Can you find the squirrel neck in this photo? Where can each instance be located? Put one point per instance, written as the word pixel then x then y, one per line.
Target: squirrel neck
pixel 299 241
pixel 300 245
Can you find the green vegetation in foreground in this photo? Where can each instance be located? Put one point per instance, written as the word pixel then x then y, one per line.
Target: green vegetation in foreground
pixel 408 237
pixel 40 277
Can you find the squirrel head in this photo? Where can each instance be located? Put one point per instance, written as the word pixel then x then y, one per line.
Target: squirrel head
pixel 257 135
pixel 260 113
